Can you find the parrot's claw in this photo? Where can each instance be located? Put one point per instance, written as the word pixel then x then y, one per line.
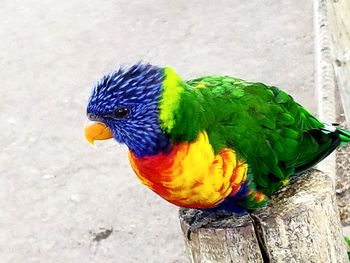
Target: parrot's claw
pixel 204 217
pixel 200 219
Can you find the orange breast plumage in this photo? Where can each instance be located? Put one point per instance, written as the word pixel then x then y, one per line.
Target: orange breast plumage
pixel 191 175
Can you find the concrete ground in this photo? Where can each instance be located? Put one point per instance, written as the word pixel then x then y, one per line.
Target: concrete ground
pixel 64 201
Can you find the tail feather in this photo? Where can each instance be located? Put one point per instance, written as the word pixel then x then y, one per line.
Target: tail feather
pixel 344 136
pixel 321 143
pixel 327 140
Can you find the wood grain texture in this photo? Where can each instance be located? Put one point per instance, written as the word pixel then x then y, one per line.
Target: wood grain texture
pixel 231 239
pixel 300 224
pixel 325 76
pixel 332 31
pixel 339 25
pixel 343 177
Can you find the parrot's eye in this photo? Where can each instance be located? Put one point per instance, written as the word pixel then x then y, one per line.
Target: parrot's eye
pixel 121 113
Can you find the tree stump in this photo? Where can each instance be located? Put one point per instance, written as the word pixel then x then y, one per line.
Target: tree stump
pixel 300 224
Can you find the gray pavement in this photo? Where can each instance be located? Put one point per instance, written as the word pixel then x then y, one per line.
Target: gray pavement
pixel 58 193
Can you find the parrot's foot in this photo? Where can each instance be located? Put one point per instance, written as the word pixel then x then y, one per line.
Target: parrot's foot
pixel 203 218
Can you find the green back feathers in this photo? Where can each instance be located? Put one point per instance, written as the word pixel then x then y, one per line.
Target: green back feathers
pixel 264 125
pixel 344 136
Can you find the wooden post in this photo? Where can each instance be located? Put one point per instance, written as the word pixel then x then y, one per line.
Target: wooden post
pixel 232 239
pixel 300 224
pixel 339 26
pixel 332 27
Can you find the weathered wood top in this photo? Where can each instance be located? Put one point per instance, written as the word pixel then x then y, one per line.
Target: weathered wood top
pixel 300 224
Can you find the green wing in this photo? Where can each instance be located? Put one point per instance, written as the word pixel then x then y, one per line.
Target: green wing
pixel 276 135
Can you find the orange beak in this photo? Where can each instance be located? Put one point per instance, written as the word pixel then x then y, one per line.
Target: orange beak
pixel 97 131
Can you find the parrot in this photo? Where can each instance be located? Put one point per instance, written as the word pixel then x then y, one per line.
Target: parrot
pixel 213 143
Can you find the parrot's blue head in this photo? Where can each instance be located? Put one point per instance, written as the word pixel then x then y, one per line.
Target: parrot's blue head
pixel 127 103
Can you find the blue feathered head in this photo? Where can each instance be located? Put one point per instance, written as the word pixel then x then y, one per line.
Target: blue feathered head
pixel 125 105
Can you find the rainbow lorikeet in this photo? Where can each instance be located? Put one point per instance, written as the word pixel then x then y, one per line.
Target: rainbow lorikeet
pixel 215 143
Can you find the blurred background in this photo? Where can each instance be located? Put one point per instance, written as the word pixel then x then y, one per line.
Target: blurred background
pixel 62 200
